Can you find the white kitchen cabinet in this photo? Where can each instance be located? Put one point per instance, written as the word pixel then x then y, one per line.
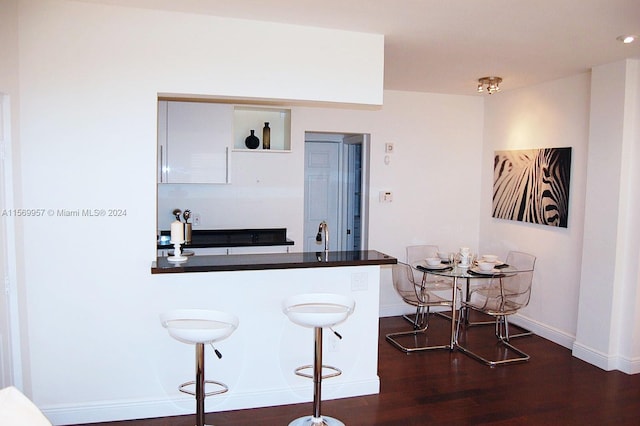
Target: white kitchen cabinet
pixel 194 140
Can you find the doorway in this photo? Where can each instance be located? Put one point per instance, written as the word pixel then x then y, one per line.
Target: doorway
pixel 336 190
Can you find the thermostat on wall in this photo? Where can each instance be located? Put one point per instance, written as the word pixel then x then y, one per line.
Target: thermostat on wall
pixel 386 196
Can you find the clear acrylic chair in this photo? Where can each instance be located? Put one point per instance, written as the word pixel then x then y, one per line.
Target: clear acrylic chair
pixel 515 259
pixel 415 254
pixel 503 295
pixel 422 295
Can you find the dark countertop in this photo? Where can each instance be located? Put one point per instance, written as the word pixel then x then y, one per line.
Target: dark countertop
pixel 231 238
pixel 254 262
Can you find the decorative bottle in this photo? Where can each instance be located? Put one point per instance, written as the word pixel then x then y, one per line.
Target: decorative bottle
pixel 252 141
pixel 266 136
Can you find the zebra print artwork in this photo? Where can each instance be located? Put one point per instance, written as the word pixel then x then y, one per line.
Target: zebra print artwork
pixel 532 185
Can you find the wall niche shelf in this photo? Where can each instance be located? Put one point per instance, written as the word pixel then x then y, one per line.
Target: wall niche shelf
pixel 247 118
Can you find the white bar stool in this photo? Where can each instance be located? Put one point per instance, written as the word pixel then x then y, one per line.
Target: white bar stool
pixel 199 327
pixel 317 311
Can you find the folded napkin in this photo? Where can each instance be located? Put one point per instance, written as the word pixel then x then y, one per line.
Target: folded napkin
pixel 427 269
pixel 479 274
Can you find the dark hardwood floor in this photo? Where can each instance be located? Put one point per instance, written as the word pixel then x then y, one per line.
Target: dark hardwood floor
pixel 442 387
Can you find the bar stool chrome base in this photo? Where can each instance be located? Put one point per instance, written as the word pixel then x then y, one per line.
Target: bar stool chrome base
pixel 315 421
pixel 317 311
pixel 199 327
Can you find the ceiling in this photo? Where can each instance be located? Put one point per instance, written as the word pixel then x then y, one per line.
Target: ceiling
pixel 444 46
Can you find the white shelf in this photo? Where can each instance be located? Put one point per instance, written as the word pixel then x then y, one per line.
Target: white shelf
pixel 247 118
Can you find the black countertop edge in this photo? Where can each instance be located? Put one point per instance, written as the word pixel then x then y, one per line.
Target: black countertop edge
pixel 256 262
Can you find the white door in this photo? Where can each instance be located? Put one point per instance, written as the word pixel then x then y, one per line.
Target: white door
pixel 337 189
pixel 321 194
pixel 352 200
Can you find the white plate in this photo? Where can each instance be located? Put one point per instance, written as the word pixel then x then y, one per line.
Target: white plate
pixel 489 272
pixel 497 262
pixel 434 268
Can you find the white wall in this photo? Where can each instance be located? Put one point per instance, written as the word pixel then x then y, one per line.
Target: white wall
pixel 89 79
pixel 630 188
pixel 608 335
pixel 554 114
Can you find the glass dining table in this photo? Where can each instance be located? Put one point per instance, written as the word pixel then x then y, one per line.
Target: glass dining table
pixel 457 272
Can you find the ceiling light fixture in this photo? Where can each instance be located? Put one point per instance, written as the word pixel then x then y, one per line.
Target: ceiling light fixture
pixel 626 39
pixel 492 84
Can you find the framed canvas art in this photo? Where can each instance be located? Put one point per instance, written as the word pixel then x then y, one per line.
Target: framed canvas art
pixel 532 185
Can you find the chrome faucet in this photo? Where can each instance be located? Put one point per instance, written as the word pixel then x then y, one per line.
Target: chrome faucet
pixel 323 229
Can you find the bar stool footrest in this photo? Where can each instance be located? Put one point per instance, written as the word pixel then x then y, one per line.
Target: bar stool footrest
pixel 336 371
pixel 223 388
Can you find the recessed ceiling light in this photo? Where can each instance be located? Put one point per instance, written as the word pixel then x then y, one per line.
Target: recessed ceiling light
pixel 626 39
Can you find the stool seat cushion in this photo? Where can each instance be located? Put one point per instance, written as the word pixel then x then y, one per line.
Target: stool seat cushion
pixel 318 309
pixel 17 410
pixel 198 325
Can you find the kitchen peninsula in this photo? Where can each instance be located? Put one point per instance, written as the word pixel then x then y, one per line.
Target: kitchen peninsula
pixel 246 262
pixel 260 357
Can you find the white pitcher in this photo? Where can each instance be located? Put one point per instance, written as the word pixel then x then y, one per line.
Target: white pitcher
pixel 464 256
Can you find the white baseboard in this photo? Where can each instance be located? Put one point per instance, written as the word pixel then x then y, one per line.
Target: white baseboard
pixel 543 330
pixel 117 410
pixel 628 365
pixel 592 356
pixel 604 361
